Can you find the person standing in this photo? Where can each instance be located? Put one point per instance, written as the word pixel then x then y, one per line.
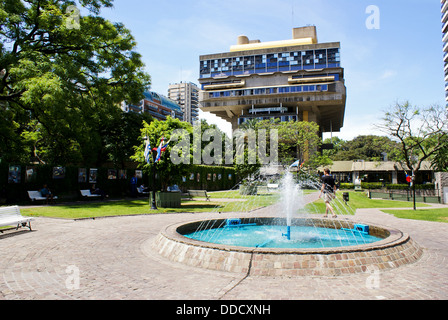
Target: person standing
pixel 328 191
pixel 134 181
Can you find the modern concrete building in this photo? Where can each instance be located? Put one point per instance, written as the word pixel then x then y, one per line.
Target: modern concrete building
pixel 444 4
pixel 298 79
pixel 158 106
pixel 186 95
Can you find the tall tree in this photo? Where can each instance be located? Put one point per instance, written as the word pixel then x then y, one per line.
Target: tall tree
pixel 168 171
pixel 440 158
pixel 296 139
pixel 422 133
pixel 64 74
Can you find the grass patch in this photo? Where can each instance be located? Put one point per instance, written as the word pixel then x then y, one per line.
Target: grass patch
pixel 236 203
pixel 142 207
pixel 90 210
pixel 231 194
pixel 113 208
pixel 359 200
pixel 435 215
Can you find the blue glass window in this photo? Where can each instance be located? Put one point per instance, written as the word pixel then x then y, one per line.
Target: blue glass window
pixel 320 59
pixel 249 64
pixel 275 62
pixel 333 56
pixel 308 60
pixel 272 62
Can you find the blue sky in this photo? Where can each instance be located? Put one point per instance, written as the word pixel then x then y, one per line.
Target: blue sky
pixel 403 60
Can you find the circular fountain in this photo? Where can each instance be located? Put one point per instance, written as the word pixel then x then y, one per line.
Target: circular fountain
pixel 292 245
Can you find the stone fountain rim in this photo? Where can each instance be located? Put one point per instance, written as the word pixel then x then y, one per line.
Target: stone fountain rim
pixel 395 238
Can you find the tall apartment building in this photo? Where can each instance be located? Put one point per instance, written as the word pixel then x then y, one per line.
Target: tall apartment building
pixel 444 4
pixel 297 79
pixel 186 95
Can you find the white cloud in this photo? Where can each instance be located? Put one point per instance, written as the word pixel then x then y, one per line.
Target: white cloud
pixel 388 74
pixel 212 119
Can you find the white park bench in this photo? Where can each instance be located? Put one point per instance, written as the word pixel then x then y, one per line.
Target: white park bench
pixel 141 191
pixel 198 193
pixel 11 217
pixel 37 196
pixel 88 194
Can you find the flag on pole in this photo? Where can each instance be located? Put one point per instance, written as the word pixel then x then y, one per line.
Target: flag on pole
pixel 297 164
pixel 162 148
pixel 148 152
pixel 408 178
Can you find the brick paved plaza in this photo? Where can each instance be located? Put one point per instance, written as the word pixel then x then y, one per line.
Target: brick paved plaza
pixel 115 260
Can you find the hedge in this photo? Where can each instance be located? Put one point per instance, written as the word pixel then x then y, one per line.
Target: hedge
pixel 210 178
pixel 67 188
pixel 379 185
pixel 428 186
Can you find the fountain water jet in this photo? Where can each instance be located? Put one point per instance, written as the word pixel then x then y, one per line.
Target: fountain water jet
pixel 290 200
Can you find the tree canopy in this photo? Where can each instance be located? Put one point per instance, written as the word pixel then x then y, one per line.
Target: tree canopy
pixel 63 76
pixel 168 170
pixel 369 148
pixel 297 140
pixel 422 133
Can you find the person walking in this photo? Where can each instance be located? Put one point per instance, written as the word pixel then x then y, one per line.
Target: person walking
pixel 328 191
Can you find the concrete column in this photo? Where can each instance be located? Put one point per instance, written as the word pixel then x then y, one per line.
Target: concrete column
pixel 394 177
pixel 306 155
pixel 234 122
pixel 442 185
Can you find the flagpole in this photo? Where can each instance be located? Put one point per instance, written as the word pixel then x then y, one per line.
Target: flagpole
pixel 149 154
pixel 155 155
pixel 153 204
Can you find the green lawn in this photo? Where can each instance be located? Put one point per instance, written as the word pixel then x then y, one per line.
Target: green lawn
pixel 141 206
pixel 113 208
pixel 90 210
pixel 435 215
pixel 359 200
pixel 236 203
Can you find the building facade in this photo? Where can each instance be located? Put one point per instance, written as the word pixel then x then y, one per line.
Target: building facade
pixel 298 79
pixel 158 106
pixel 384 171
pixel 186 95
pixel 444 4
